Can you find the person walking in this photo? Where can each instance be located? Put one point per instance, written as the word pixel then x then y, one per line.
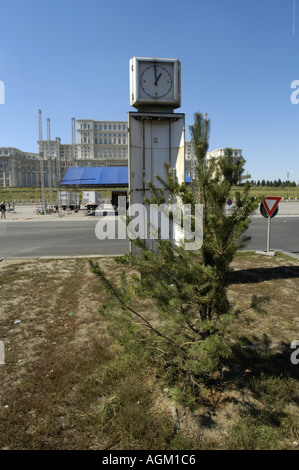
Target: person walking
pixel 3 210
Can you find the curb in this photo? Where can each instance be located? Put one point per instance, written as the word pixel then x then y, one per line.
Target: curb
pixel 276 251
pixel 43 258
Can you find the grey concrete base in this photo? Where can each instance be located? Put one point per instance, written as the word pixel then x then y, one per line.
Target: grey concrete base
pixel 267 253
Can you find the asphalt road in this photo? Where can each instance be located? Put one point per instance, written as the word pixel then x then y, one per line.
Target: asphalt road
pixel 284 234
pixel 72 238
pixel 51 238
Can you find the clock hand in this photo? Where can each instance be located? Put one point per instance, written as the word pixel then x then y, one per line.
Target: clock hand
pixel 155 70
pixel 157 78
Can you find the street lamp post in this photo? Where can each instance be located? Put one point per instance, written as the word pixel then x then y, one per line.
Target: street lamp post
pixel 288 176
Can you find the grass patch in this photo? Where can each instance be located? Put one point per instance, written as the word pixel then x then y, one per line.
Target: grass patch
pixel 270 424
pixel 33 194
pixel 67 385
pixel 261 192
pixel 251 256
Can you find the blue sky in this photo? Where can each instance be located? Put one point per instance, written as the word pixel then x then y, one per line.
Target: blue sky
pixel 238 59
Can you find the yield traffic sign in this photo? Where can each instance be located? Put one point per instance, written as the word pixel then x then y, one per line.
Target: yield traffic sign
pixel 270 204
pixel 265 213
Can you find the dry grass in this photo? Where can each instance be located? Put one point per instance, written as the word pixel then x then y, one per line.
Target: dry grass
pixel 65 385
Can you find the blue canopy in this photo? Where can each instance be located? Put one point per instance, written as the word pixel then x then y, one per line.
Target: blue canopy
pixel 99 176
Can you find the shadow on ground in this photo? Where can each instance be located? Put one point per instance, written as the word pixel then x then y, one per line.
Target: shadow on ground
pixel 243 276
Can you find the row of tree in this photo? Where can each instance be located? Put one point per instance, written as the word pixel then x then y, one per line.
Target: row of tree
pixel 275 184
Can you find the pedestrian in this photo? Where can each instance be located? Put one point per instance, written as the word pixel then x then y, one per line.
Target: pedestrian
pixel 3 210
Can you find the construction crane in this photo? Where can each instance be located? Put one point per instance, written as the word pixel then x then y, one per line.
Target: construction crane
pixel 41 167
pixel 49 162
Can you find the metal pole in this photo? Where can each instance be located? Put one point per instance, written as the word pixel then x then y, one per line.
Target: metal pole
pixel 41 158
pixel 58 176
pixel 49 161
pixel 268 237
pixel 73 140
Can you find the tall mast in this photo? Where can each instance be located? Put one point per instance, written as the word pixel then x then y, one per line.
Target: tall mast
pixel 73 139
pixel 49 161
pixel 41 159
pixel 58 175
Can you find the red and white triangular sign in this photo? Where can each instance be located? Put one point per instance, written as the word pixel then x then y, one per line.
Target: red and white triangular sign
pixel 270 204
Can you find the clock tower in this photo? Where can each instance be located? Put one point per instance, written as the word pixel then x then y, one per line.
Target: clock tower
pixel 155 84
pixel 156 133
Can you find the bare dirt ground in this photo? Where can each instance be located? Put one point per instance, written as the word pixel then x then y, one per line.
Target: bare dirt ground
pixel 55 341
pixel 49 320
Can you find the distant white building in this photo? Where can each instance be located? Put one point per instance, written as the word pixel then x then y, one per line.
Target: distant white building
pixel 55 147
pixel 22 169
pixel 102 140
pixel 99 143
pixel 220 153
pixel 191 162
pixel 18 168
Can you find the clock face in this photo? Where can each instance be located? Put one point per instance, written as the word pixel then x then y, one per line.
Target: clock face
pixel 156 81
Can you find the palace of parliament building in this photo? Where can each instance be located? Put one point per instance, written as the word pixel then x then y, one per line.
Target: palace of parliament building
pixel 99 143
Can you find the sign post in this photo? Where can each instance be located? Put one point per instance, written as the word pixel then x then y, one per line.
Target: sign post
pixel 269 209
pixel 269 231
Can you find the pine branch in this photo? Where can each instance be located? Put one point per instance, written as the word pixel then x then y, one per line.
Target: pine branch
pixel 95 268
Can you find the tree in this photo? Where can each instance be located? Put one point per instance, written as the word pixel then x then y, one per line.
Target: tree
pixel 188 289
